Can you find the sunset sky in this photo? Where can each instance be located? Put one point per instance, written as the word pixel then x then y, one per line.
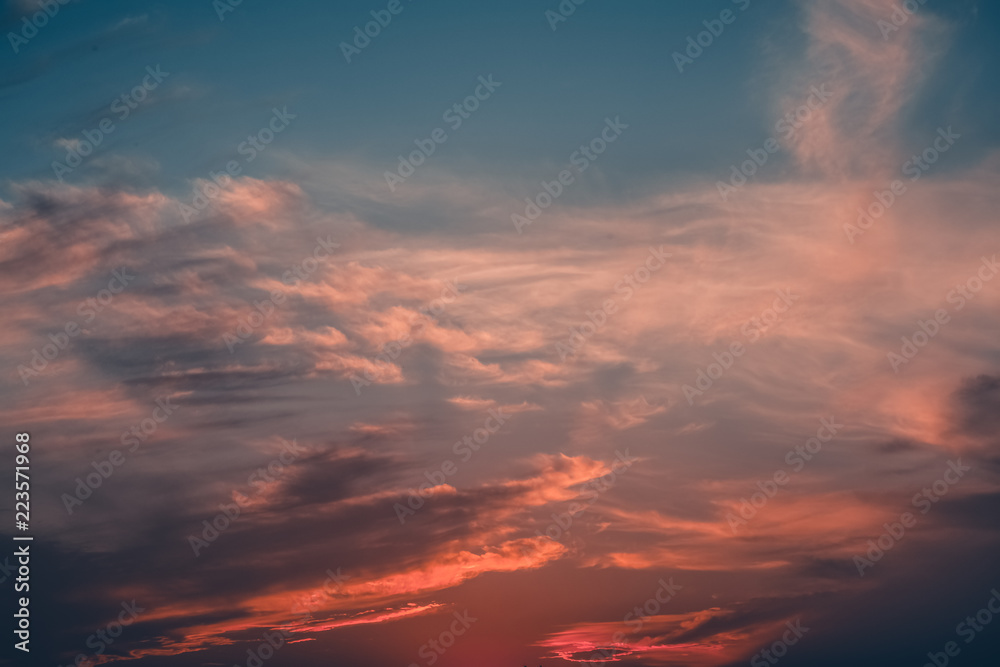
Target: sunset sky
pixel 515 334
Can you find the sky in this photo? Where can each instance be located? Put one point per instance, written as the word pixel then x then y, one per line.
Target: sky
pixel 643 334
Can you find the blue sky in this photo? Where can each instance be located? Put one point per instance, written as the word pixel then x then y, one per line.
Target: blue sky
pixel 225 76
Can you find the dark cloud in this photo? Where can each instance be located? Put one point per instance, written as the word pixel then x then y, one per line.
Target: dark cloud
pixel 979 405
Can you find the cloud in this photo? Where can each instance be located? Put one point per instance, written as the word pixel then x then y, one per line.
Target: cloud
pixel 490 344
pixel 872 78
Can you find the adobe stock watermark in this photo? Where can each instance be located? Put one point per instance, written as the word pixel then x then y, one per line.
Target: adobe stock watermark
pixel 270 643
pixel 929 328
pixel 254 145
pixel 88 309
pixel 305 611
pixel 779 649
pixel 104 637
pixel 30 25
pixel 924 501
pixel 787 126
pixel 455 116
pixel 223 7
pixel 264 309
pixel 381 18
pixel 122 107
pixel 969 629
pixel 796 459
pixel 393 349
pixel 915 167
pixel 564 10
pixel 230 512
pixel 666 592
pixel 597 319
pixel 106 467
pixel 466 448
pixel 592 490
pixel 901 13
pixel 432 650
pixel 332 586
pixel 753 329
pixel 697 44
pixel 580 159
